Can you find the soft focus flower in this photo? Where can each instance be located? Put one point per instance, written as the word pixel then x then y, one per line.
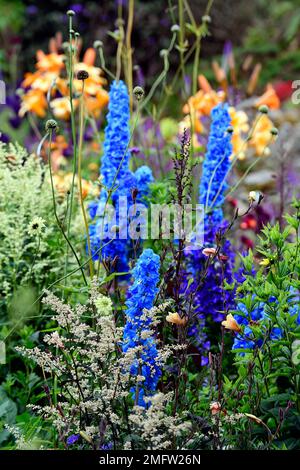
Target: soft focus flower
pixel 50 76
pixel 50 62
pixel 176 319
pixel 215 407
pixel 259 316
pixel 36 226
pixel 61 107
pixel 262 135
pixel 264 262
pixel 203 102
pixel 34 101
pixel 231 324
pixel 269 98
pixel 253 196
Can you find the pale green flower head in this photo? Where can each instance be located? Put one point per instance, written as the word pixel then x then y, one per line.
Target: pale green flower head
pixel 103 305
pixel 36 226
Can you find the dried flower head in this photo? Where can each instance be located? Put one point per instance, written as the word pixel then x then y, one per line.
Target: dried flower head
pixel 82 75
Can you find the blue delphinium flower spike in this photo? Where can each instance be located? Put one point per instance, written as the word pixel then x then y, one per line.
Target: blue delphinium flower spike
pixel 216 165
pixel 118 178
pixel 141 295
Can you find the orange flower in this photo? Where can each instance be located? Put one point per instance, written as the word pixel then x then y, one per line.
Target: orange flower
pixel 231 324
pixel 50 62
pixel 47 76
pixel 176 319
pixel 269 98
pixel 94 104
pixel 34 101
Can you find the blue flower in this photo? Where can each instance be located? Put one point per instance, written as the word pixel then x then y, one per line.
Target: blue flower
pixel 141 295
pixel 72 439
pixel 258 314
pixel 216 164
pixel 116 177
pixel 143 177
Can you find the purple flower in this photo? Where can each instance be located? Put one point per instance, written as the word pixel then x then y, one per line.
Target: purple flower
pixel 72 439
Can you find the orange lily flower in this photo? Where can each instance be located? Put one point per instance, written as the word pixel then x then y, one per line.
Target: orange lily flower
pixel 34 101
pixel 269 98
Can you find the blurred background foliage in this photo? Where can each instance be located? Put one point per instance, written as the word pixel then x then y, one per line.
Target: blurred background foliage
pixel 268 29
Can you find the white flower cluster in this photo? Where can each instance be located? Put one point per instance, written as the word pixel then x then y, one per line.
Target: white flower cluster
pixel 95 383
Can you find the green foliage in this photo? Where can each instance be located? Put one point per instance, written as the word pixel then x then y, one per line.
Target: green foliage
pixel 27 261
pixel 269 373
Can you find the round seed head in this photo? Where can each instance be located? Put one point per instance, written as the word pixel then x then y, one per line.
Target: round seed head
pixel 138 92
pixel 51 125
pixel 82 75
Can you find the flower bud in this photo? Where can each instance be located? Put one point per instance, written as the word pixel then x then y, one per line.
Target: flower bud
pixel 138 92
pixel 263 109
pixel 51 125
pixel 71 13
pixel 98 44
pixel 206 19
pixel 175 28
pixel 163 53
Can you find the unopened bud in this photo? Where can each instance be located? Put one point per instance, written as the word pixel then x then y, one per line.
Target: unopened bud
pixel 138 92
pixel 263 109
pixel 51 125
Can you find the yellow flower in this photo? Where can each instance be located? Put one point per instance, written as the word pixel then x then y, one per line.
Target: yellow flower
pixel 240 125
pixel 176 319
pixel 265 262
pixel 231 324
pixel 262 135
pixel 62 107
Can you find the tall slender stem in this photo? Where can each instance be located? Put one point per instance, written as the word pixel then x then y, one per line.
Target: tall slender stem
pixel 81 130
